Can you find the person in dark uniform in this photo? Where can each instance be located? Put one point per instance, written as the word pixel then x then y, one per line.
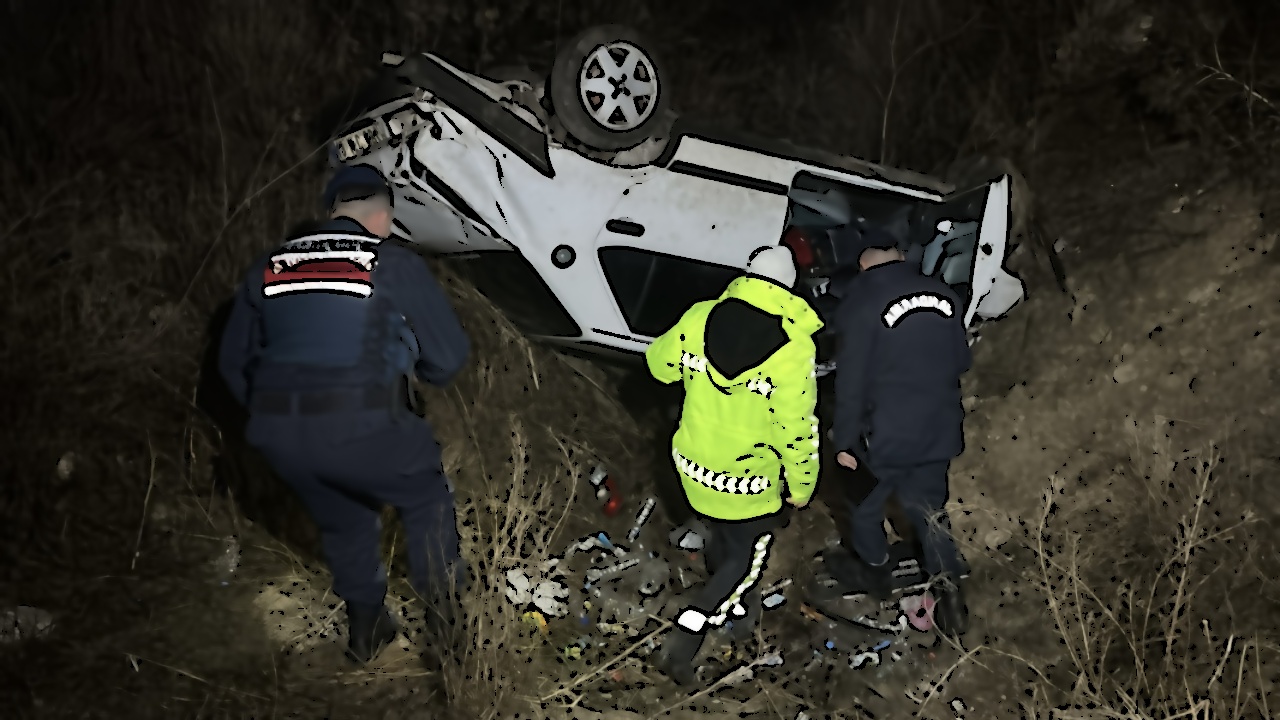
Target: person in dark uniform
pixel 322 338
pixel 898 418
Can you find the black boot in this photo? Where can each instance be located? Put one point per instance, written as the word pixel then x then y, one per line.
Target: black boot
pixel 677 654
pixel 950 612
pixel 855 575
pixel 371 628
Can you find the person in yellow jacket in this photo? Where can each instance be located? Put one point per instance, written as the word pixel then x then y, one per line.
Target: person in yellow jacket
pixel 747 432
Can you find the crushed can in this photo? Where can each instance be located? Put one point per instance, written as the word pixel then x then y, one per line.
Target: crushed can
pixel 606 491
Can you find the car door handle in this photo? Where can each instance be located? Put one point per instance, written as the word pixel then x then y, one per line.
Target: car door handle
pixel 624 227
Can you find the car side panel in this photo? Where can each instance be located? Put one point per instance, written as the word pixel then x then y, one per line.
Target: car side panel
pixel 711 221
pixel 774 169
pixel 537 214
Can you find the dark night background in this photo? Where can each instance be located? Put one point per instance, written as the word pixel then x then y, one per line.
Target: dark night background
pixel 148 150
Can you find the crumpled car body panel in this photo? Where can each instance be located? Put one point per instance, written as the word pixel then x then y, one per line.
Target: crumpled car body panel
pixel 602 258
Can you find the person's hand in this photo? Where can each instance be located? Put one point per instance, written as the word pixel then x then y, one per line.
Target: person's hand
pixel 796 504
pixel 847 460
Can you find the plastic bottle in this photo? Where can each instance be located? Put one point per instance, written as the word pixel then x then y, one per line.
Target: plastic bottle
pixel 606 491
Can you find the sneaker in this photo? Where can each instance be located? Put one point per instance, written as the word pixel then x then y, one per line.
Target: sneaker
pixel 371 629
pixel 951 612
pixel 854 575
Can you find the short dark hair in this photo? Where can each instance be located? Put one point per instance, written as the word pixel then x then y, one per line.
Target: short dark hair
pixel 356 182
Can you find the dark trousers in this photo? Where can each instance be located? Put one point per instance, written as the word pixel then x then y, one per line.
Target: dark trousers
pixel 736 556
pixel 921 491
pixel 346 467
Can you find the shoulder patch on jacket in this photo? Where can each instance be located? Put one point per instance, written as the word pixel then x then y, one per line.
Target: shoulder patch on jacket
pixel 740 336
pixel 334 263
pixel 895 311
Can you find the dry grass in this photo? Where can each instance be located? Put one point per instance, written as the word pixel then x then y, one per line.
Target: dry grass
pixel 1157 588
pixel 136 193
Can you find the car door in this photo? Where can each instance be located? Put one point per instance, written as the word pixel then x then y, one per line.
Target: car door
pixel 969 248
pixel 676 238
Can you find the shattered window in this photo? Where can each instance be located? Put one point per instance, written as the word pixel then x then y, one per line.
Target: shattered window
pixel 653 290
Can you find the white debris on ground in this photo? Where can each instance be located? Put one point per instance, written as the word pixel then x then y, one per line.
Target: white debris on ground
pixel 24 623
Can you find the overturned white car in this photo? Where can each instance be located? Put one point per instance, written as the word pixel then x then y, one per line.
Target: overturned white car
pixel 594 220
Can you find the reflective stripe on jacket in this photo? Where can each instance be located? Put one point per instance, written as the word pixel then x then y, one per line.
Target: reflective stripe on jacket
pixel 741 437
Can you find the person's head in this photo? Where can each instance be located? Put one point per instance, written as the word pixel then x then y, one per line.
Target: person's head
pixel 871 257
pixel 878 247
pixel 773 262
pixel 360 193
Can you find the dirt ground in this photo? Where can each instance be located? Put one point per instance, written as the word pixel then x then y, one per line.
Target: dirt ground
pixel 1167 340
pixel 1116 498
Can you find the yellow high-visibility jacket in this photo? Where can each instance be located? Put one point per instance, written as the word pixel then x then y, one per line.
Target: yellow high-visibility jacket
pixel 740 438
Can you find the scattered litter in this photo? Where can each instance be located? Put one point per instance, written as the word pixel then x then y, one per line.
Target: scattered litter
pixel 689 536
pixel 747 672
pixel 641 519
pixel 772 596
pixel 605 572
pixel 654 576
pixel 919 610
pixel 24 623
pixel 546 596
pixel 536 620
pixel 606 491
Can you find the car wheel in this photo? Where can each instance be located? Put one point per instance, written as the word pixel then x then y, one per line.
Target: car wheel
pixel 608 89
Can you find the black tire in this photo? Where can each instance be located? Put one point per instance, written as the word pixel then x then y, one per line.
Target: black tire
pixel 617 131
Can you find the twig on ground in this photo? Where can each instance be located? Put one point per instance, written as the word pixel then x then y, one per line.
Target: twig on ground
pixel 936 686
pixel 133 660
pixel 146 501
pixel 666 624
pixel 571 363
pixel 722 682
pixel 533 367
pixel 1218 72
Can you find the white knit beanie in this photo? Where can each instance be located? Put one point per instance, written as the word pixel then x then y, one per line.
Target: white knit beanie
pixel 776 263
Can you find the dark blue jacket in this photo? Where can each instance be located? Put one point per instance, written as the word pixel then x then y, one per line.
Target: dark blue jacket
pixel 901 354
pixel 322 340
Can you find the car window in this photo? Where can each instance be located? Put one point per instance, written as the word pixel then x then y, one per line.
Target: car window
pixel 653 290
